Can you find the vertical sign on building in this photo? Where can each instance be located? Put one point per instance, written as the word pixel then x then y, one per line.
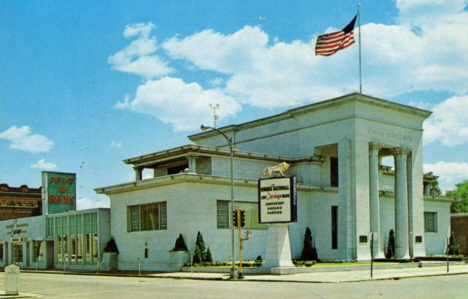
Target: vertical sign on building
pixel 277 200
pixel 59 192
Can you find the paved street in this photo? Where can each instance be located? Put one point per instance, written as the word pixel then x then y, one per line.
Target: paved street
pixel 103 287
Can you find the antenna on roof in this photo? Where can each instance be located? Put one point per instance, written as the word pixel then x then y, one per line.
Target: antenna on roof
pixel 215 117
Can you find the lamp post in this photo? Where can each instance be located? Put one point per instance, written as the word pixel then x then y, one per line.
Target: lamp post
pixel 231 149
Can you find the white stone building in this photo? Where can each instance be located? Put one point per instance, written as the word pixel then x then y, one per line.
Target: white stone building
pixel 335 149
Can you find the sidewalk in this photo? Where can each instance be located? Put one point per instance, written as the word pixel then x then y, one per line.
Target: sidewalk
pixel 330 277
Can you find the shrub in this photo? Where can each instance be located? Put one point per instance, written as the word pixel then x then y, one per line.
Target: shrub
pixel 201 254
pixel 111 246
pixel 208 257
pixel 309 252
pixel 453 247
pixel 391 245
pixel 180 244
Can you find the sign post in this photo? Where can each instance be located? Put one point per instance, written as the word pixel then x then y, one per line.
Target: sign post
pixel 277 202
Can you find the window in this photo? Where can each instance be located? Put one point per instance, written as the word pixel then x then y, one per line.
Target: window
pixel 1 251
pixel 223 214
pixel 147 217
pixel 17 253
pixel 334 227
pixel 430 222
pixel 250 210
pixel 334 172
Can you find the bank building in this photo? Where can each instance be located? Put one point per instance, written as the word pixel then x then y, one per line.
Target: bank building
pixel 334 150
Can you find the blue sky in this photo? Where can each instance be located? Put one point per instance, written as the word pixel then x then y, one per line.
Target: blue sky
pixel 86 84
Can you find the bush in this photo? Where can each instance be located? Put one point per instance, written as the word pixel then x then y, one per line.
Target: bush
pixel 208 257
pixel 201 254
pixel 180 244
pixel 111 246
pixel 453 247
pixel 391 245
pixel 309 252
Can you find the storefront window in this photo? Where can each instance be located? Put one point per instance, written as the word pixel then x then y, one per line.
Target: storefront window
pixel 17 253
pixel 76 240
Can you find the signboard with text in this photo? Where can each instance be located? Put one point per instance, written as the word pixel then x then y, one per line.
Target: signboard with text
pixel 277 200
pixel 59 191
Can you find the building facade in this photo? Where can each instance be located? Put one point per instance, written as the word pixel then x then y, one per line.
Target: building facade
pixel 459 226
pixel 19 202
pixel 344 193
pixel 60 237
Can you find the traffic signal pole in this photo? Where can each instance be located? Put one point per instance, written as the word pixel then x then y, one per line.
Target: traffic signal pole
pixel 240 242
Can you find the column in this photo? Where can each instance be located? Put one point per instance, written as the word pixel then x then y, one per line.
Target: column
pixel 401 204
pixel 374 149
pixel 192 161
pixel 138 173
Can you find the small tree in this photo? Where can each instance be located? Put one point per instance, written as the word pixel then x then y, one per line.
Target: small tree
pixel 208 258
pixel 391 245
pixel 200 250
pixel 180 244
pixel 111 246
pixel 309 252
pixel 453 247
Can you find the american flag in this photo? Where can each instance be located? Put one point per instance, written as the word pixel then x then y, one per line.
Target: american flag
pixel 330 43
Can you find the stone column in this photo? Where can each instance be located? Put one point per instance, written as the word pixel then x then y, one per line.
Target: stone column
pixel 192 161
pixel 138 173
pixel 401 204
pixel 374 149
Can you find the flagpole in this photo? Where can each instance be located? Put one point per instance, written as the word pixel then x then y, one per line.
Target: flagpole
pixel 359 24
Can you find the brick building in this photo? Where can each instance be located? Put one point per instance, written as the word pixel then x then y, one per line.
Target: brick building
pixel 459 224
pixel 20 202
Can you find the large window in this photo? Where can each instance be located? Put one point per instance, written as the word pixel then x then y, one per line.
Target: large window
pixel 76 238
pixel 147 217
pixel 430 222
pixel 250 210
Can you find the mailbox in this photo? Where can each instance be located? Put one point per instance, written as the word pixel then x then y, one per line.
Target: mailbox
pixel 12 280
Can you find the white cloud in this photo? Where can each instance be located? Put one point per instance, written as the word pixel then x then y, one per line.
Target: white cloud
pixel 450 173
pixel 184 106
pixel 42 164
pixel 116 144
pixel 139 57
pixel 448 123
pixel 21 139
pixel 418 52
pixel 123 105
pixel 86 203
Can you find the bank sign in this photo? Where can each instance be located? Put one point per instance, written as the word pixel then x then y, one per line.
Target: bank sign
pixel 59 191
pixel 277 200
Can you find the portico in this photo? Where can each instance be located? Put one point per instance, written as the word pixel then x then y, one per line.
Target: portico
pixel 402 240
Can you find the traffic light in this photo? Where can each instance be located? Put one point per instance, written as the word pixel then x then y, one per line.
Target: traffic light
pixel 242 218
pixel 234 219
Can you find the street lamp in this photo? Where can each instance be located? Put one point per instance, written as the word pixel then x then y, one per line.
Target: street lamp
pixel 231 149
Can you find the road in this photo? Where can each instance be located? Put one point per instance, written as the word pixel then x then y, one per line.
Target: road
pixel 102 287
